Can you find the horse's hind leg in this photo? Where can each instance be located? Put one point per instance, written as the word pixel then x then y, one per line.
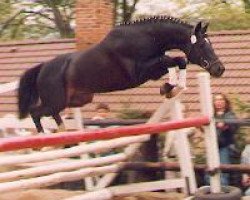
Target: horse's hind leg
pixel 37 120
pixel 53 99
pixel 59 122
pixel 37 113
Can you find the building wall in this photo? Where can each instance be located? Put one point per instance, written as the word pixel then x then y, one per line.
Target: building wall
pixel 94 18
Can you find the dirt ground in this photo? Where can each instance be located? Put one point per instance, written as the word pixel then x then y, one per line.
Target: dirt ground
pixel 55 194
pixel 44 194
pixel 38 194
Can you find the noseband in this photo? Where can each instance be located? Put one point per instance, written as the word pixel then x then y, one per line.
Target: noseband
pixel 208 65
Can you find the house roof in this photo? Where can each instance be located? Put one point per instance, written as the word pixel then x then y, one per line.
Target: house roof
pixel 232 47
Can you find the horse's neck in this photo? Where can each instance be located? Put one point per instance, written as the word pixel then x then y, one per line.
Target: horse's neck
pixel 173 36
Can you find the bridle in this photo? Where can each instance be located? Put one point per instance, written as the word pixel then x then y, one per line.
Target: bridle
pixel 206 64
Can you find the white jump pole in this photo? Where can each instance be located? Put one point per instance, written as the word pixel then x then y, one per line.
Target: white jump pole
pixel 78 118
pixel 183 149
pixel 64 165
pixel 89 182
pixel 211 142
pixel 7 87
pixel 59 177
pixel 100 146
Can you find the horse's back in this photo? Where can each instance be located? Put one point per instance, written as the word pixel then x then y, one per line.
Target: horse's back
pixel 55 67
pixel 51 81
pixel 131 42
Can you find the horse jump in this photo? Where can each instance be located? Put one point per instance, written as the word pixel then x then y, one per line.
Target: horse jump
pixel 99 146
pixel 73 124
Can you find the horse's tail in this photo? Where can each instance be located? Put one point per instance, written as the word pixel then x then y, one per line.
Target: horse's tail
pixel 27 91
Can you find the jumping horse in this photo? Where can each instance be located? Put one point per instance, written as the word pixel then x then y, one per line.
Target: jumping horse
pixel 130 55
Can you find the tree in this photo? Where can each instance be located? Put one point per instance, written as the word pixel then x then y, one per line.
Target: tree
pixel 39 17
pixel 7 17
pixel 124 10
pixel 222 14
pixel 5 10
pixel 59 14
pixel 247 6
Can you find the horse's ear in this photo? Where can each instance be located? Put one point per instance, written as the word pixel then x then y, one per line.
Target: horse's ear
pixel 198 28
pixel 204 28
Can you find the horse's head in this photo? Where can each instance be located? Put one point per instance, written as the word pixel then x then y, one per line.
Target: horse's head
pixel 202 53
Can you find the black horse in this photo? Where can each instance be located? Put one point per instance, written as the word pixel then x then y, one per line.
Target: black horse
pixel 127 57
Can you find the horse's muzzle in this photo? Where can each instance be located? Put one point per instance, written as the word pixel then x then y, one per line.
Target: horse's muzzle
pixel 217 72
pixel 216 69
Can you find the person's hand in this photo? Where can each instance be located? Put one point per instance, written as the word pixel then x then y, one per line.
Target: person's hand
pixel 221 125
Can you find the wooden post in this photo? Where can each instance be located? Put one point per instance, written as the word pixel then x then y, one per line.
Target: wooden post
pixel 183 149
pixel 211 142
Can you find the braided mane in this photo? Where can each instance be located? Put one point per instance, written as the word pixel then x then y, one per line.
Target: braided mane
pixel 157 19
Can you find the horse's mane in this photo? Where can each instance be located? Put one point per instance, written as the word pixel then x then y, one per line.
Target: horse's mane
pixel 157 19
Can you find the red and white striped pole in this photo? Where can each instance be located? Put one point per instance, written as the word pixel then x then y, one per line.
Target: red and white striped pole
pixel 9 144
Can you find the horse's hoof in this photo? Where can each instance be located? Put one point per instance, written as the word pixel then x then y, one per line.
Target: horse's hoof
pixel 61 129
pixel 169 95
pixel 162 90
pixel 36 149
pixel 166 88
pixel 174 92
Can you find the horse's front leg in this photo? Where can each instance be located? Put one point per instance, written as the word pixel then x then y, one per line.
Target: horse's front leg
pixel 152 69
pixel 182 64
pixel 173 87
pixel 155 68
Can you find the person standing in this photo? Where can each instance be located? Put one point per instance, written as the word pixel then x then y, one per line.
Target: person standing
pixel 245 159
pixel 225 131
